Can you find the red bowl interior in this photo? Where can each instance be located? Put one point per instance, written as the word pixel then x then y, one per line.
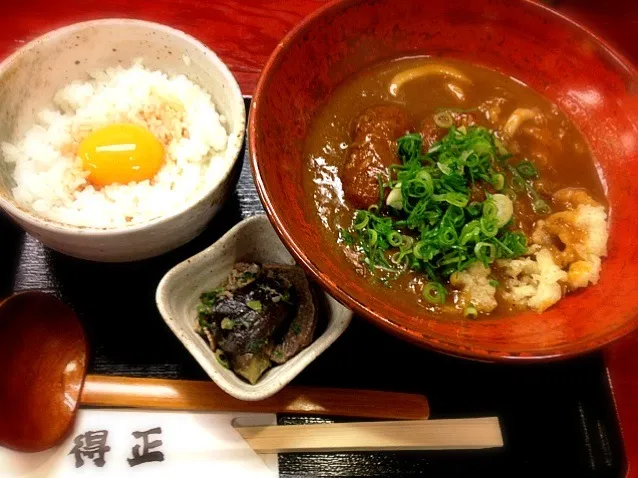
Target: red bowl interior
pixel 592 84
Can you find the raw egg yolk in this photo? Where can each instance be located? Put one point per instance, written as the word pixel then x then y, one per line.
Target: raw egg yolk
pixel 121 153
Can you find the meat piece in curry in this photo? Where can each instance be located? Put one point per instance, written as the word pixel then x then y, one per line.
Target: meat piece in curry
pixel 372 150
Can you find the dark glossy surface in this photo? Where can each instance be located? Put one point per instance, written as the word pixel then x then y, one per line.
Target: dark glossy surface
pixel 557 419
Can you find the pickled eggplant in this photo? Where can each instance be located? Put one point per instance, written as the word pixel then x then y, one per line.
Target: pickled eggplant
pixel 262 314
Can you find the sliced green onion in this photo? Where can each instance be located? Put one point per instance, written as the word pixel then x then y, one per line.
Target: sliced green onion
pixel 489 226
pixel 395 239
pixel 503 250
pixel 474 208
pixel 485 252
pixel 416 214
pixel 454 216
pixel 361 220
pixel 510 194
pixel 227 324
pixel 395 199
pixel 443 119
pixel 434 292
pixel 418 188
pixel 372 237
pixel 452 258
pixel 481 146
pixel 490 209
pixel 423 175
pixel 410 146
pixel 418 250
pixel 447 236
pixel 457 199
pixel 407 242
pixel 445 169
pixel 398 258
pixel 470 232
pixel 432 216
pixel 472 160
pixel 541 207
pixel 518 184
pixel 470 311
pixel 498 181
pixel 505 208
pixel 512 244
pixel 421 186
pixel 527 169
pixel 438 197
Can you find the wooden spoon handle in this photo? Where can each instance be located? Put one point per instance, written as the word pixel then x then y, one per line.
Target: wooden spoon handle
pixel 109 391
pixel 472 433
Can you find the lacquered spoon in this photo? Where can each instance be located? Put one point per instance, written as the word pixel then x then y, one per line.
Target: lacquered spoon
pixel 43 359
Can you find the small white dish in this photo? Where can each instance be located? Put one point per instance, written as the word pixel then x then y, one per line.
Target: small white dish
pixel 252 240
pixel 30 78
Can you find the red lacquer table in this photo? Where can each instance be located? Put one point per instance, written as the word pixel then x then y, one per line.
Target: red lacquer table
pixel 244 33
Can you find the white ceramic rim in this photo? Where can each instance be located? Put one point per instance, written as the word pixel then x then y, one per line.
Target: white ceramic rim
pixel 288 370
pixel 234 149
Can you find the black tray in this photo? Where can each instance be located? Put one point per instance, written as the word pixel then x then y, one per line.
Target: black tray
pixel 557 419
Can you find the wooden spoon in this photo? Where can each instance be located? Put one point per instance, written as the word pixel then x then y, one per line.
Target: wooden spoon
pixel 43 359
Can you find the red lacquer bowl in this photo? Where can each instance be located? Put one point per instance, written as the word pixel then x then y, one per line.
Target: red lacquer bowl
pixel 595 86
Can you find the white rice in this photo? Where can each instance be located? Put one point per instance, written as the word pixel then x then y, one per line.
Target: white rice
pixel 49 176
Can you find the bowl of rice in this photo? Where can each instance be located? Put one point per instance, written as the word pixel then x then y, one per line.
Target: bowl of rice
pixel 119 138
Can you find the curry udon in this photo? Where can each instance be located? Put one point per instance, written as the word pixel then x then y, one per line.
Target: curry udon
pixel 456 188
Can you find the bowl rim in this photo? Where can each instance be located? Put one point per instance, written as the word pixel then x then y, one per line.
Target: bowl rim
pixel 233 149
pixel 572 349
pixel 288 370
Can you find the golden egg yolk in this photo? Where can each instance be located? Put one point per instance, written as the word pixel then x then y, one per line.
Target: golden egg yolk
pixel 121 153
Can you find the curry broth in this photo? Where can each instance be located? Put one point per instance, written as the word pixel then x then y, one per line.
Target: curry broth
pixel 558 149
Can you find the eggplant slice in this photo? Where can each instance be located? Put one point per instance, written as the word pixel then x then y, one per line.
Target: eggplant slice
pixel 302 327
pixel 261 314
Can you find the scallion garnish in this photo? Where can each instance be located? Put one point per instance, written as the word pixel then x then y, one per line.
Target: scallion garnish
pixel 470 311
pixel 443 119
pixel 431 221
pixel 527 170
pixel 498 181
pixel 394 238
pixel 434 292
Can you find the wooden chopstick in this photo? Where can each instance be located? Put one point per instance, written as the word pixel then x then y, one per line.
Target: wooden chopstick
pixel 469 433
pixel 111 391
